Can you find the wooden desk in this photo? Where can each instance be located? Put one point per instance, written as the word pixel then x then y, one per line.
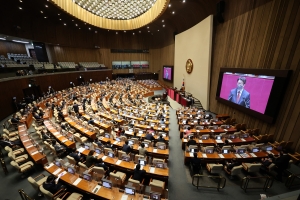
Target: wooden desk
pixel 222 116
pixel 88 187
pixel 214 157
pixel 62 139
pixel 158 153
pixel 98 123
pixel 78 127
pixel 156 128
pixel 209 131
pixel 36 155
pixel 129 166
pixel 27 120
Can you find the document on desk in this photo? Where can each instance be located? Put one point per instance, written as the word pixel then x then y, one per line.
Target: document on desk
pixel 212 130
pixel 219 141
pixel 118 162
pixel 237 155
pixel 221 155
pixel 192 154
pixel 152 170
pixel 269 152
pixel 29 146
pixel 229 140
pixel 33 153
pixel 184 140
pixel 65 140
pixel 200 141
pixel 81 149
pixel 77 181
pixel 26 140
pixel 124 197
pixel 57 171
pixel 253 155
pixel 104 157
pixel 115 142
pixel 225 130
pixel 154 150
pixel 204 155
pixel 243 139
pixel 56 133
pixel 86 131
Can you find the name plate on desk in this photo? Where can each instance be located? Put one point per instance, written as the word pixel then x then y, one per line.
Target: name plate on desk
pixel 219 141
pixel 65 140
pixel 253 155
pixel 96 189
pixel 200 141
pixel 29 146
pixel 152 169
pixel 57 171
pixel 184 140
pixel 192 154
pixel 77 181
pixel 56 133
pixel 229 140
pixel 26 140
pixel 33 153
pixel 243 140
pixel 225 130
pixel 154 150
pixel 204 155
pixel 118 162
pixel 237 155
pixel 221 156
pixel 104 157
pixel 86 131
pixel 50 165
pixel 212 131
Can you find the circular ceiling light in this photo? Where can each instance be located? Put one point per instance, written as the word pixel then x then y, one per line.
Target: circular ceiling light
pixel 115 14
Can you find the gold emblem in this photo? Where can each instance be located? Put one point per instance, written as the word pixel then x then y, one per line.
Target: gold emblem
pixel 189 66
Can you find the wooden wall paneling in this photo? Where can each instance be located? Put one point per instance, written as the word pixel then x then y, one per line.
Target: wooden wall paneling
pixel 264 36
pixel 11 47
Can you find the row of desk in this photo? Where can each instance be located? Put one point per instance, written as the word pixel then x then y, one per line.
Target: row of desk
pixel 179 97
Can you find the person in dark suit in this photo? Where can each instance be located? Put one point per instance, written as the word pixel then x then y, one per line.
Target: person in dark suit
pixel 75 154
pixel 51 185
pixel 282 163
pixel 195 164
pixel 161 139
pixel 239 95
pixel 15 119
pixel 191 141
pixel 90 159
pixel 36 116
pixel 76 107
pixel 126 148
pixel 91 121
pixel 149 136
pixel 138 174
pixel 58 148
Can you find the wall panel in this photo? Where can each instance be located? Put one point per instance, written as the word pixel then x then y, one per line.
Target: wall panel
pixel 11 47
pixel 264 36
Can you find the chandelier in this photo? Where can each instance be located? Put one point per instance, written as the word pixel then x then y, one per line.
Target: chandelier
pixel 116 9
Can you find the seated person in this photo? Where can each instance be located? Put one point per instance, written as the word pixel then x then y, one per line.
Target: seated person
pixel 15 119
pixel 187 132
pixel 142 150
pixel 100 163
pixel 195 163
pixel 191 141
pixel 47 137
pixel 161 139
pixel 149 136
pixel 51 185
pixel 108 145
pixel 99 143
pixel 37 116
pixel 126 148
pixel 266 162
pixel 90 159
pixel 231 165
pixel 91 121
pixel 12 144
pixel 134 135
pixel 58 148
pixel 138 174
pixel 76 155
pixel 151 130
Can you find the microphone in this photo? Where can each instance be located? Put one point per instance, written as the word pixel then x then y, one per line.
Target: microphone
pixel 230 97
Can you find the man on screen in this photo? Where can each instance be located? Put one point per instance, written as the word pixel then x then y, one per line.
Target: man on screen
pixel 239 95
pixel 166 74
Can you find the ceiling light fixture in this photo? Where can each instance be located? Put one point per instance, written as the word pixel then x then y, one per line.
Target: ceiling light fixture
pixel 162 20
pixel 20 8
pixel 169 5
pixel 46 6
pixel 116 9
pixel 173 12
pixel 65 24
pixel 2 38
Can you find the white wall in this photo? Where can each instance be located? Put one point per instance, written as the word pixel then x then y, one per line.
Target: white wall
pixel 195 44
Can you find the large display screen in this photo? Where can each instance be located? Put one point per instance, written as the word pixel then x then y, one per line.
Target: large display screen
pixel 168 72
pixel 257 92
pixel 248 90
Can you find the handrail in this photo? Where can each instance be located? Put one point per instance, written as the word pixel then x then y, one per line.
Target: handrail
pixel 267 185
pixel 198 178
pixel 24 196
pixel 290 180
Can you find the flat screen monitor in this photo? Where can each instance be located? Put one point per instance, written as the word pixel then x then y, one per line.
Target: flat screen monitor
pixel 204 137
pixel 98 151
pixel 142 162
pixel 225 151
pixel 58 163
pixel 130 142
pixel 231 136
pixel 155 196
pixel 253 91
pixel 269 148
pixel 118 139
pixel 161 146
pixel 164 134
pixel 111 154
pixel 244 135
pixel 168 73
pixel 126 158
pixel 87 177
pixel 106 183
pixel 107 135
pixel 86 146
pixel 209 151
pixel 254 150
pixel 159 165
pixel 129 190
pixel 184 121
pixel 241 150
pixel 71 170
pixel 218 137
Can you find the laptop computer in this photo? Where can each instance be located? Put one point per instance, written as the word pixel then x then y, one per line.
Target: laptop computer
pixel 218 137
pixel 142 162
pixel 111 154
pixel 162 147
pixel 98 151
pixel 130 142
pixel 126 158
pixel 155 196
pixel 106 183
pixel 107 135
pixel 159 165
pixel 209 151
pixel 255 149
pixel 225 151
pixel 87 177
pixel 71 170
pixel 241 150
pixel 86 146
